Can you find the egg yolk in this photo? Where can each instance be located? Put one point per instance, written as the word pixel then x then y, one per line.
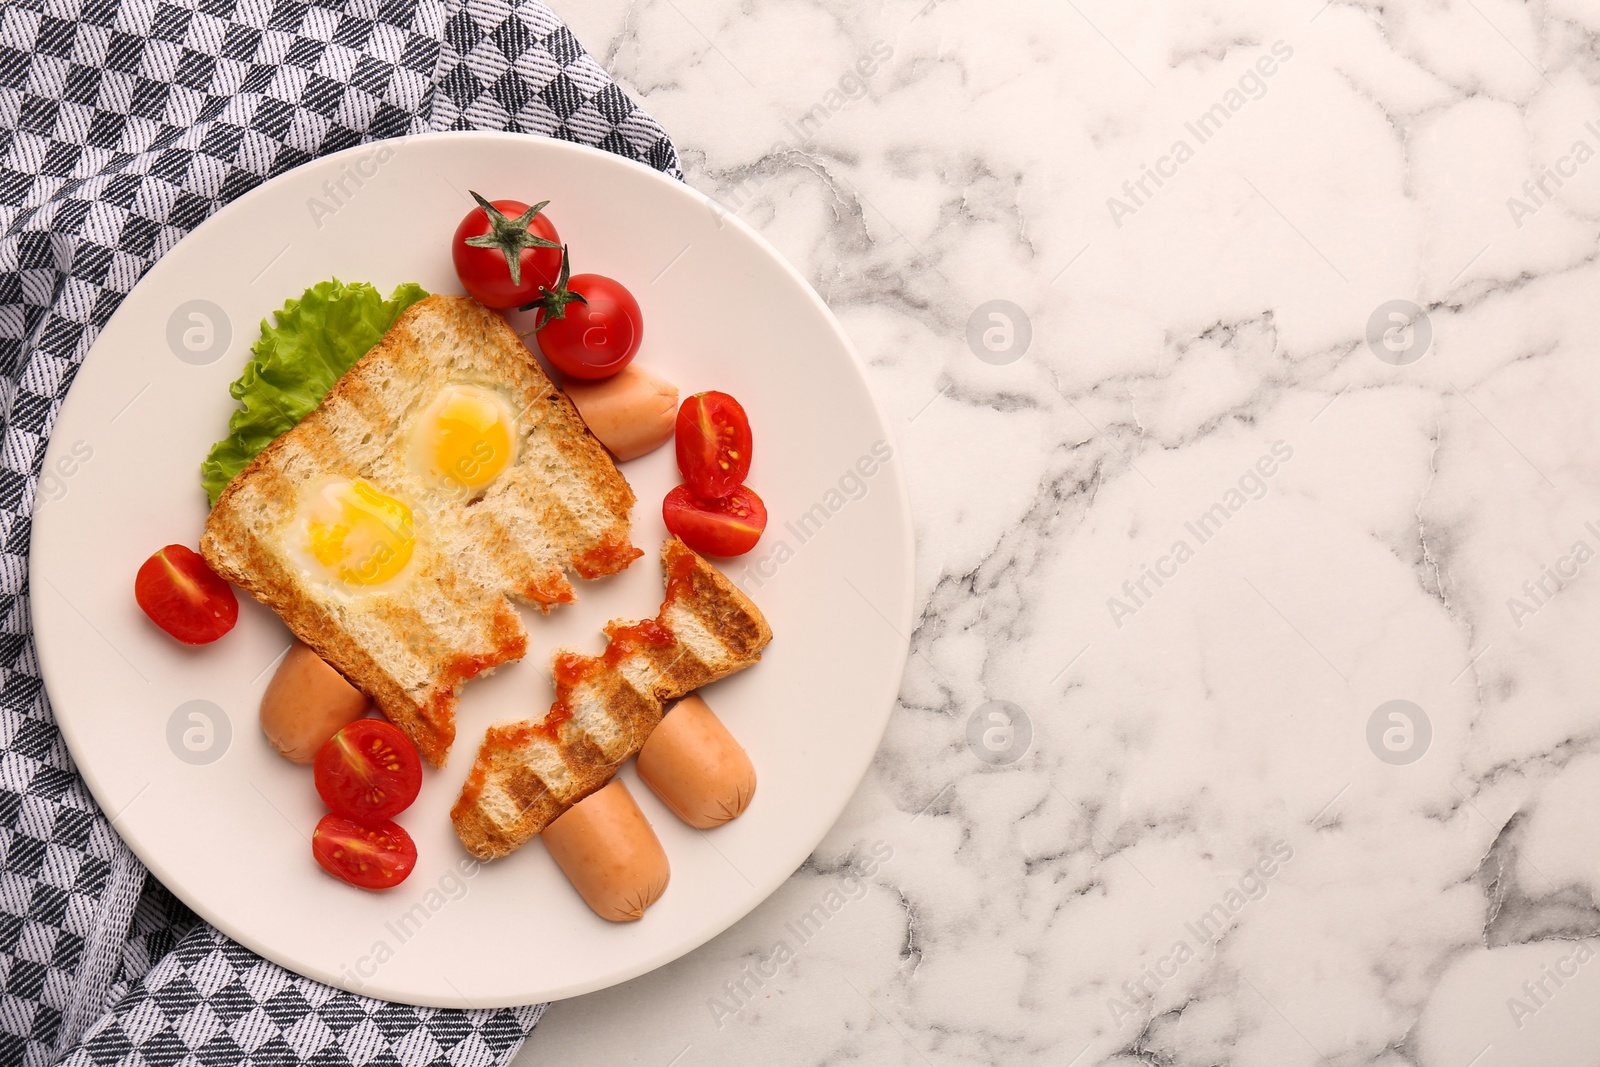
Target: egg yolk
pixel 361 535
pixel 466 437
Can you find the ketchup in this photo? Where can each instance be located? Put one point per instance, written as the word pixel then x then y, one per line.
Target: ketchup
pixel 680 577
pixel 611 555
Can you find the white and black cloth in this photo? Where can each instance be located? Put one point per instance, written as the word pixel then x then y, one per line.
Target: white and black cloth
pixel 123 125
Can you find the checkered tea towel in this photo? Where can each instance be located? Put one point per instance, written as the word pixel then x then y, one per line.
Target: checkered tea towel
pixel 123 125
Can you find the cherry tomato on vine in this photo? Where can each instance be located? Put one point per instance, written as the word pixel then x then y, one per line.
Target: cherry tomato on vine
pixel 506 253
pixel 184 597
pixel 379 856
pixel 725 526
pixel 713 444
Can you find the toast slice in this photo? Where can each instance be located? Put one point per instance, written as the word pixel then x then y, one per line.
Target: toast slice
pixel 528 773
pixel 410 641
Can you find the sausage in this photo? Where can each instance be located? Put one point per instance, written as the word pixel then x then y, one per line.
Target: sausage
pixel 306 703
pixel 605 847
pixel 695 766
pixel 632 412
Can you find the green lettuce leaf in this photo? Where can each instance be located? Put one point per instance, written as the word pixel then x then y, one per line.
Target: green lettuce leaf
pixel 316 339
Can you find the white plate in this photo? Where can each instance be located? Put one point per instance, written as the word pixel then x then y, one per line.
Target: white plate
pixel 231 837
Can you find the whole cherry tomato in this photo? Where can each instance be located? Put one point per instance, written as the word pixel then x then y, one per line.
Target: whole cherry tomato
pixel 506 253
pixel 592 330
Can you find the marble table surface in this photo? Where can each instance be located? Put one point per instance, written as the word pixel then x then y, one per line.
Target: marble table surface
pixel 1243 362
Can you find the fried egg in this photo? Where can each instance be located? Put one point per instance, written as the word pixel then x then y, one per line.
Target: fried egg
pixel 465 438
pixel 353 533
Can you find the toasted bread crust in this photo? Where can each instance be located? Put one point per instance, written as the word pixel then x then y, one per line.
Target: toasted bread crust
pixel 562 505
pixel 508 800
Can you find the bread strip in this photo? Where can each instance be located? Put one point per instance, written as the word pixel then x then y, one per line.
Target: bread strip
pixel 528 773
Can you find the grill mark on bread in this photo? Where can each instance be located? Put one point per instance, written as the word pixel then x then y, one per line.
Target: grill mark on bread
pixel 527 509
pixel 526 773
pixel 412 645
pixel 547 585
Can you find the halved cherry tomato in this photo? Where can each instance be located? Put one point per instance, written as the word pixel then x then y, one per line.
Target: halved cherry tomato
pixel 598 331
pixel 488 242
pixel 713 443
pixel 725 526
pixel 183 597
pixel 368 771
pixel 379 856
